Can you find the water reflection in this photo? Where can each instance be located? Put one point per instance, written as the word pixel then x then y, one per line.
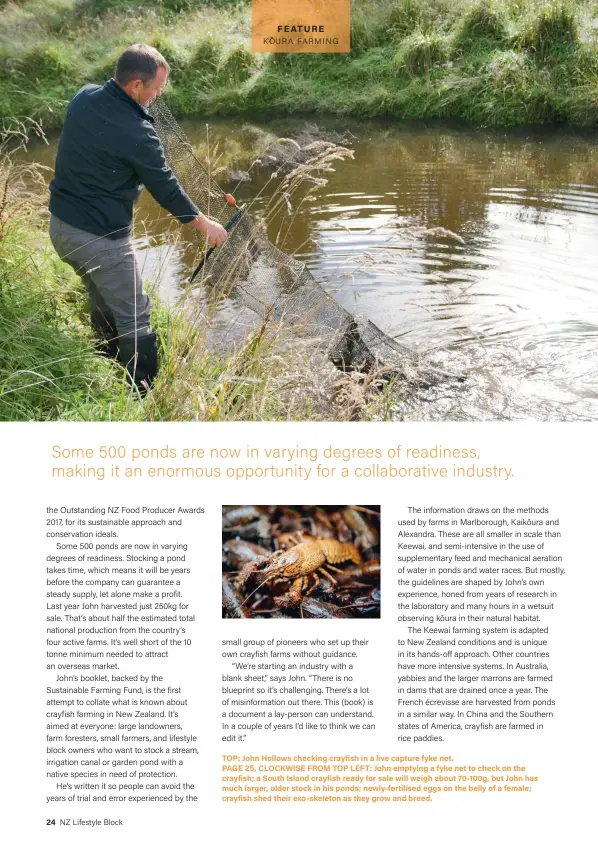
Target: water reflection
pixel 478 248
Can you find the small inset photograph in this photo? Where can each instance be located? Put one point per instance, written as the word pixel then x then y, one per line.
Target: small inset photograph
pixel 301 561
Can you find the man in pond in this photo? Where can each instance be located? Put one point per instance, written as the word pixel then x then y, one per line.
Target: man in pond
pixel 108 150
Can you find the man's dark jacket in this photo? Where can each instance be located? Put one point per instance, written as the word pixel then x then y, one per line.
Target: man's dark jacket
pixel 108 150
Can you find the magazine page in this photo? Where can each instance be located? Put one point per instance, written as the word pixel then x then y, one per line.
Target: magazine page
pixel 298 371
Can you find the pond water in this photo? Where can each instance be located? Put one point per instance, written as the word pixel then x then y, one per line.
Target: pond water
pixel 476 248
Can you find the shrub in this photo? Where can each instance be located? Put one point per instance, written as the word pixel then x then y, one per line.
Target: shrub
pixel 206 56
pixel 405 16
pixel 49 60
pixel 418 53
pixel 554 27
pixel 484 22
pixel 239 65
pixel 172 53
pixel 515 90
pixel 366 32
pixel 107 66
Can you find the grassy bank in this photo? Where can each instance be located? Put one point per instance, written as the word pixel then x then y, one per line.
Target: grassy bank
pixel 486 61
pixel 50 369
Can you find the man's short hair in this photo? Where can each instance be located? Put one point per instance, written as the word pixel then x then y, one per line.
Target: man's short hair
pixel 140 61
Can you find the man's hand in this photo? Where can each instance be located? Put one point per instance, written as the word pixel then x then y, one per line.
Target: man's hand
pixel 210 229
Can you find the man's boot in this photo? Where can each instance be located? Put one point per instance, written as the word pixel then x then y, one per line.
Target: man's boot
pixel 140 359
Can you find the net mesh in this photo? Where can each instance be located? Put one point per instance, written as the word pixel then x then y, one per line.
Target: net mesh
pixel 267 280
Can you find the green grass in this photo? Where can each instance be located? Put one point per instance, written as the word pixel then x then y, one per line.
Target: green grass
pixel 50 368
pixel 424 58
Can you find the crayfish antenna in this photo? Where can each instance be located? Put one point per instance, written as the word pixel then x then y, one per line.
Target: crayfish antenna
pixel 274 571
pixel 256 589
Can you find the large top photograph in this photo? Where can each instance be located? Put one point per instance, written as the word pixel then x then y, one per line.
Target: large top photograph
pixel 191 230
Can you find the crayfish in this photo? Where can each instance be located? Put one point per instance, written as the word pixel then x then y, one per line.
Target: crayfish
pixel 300 561
pixel 298 564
